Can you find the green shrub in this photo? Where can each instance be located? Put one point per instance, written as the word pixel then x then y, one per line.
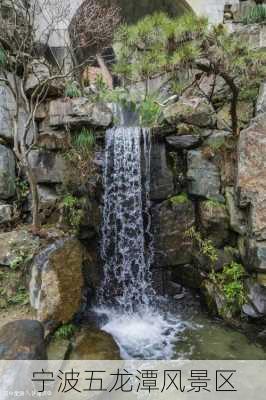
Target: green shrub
pixel 72 90
pixel 231 283
pixel 65 331
pixel 256 14
pixel 72 212
pixel 149 111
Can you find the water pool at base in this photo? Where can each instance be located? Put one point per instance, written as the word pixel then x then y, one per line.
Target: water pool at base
pixel 185 331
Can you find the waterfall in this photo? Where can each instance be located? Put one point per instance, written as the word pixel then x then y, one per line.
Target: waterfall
pixel 126 247
pixel 126 299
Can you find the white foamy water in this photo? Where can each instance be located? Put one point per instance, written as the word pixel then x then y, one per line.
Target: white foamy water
pixel 148 335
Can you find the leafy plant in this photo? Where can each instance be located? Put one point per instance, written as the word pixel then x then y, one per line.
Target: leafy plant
pixel 21 297
pixel 72 90
pixel 231 283
pixel 206 247
pixel 72 212
pixel 256 14
pixel 22 258
pixel 65 331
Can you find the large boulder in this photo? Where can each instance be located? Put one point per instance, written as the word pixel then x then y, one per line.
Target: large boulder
pixel 203 176
pixel 192 110
pixel 22 340
pixel 214 221
pixel 7 173
pixel 93 344
pixel 15 243
pixel 78 112
pixel 162 178
pixel 171 219
pixel 251 175
pixel 57 282
pixel 48 167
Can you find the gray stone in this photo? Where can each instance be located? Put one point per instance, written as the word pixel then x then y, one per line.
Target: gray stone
pixel 6 211
pixel 238 221
pixel 252 34
pixel 170 221
pixel 218 138
pixel 184 141
pixel 251 175
pixel 78 112
pixel 39 73
pixel 162 179
pixel 203 176
pixel 214 221
pixel 256 307
pixel 57 282
pixel 192 110
pixel 257 255
pixel 53 139
pixel 12 243
pixel 48 166
pixel 261 102
pixel 7 173
pixel 22 340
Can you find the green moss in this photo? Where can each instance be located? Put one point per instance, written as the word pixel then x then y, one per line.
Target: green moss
pixel 180 199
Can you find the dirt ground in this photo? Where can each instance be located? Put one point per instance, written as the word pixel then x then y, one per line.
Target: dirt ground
pixel 14 313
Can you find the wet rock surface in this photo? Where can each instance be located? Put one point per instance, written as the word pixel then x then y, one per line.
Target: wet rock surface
pixel 94 344
pixel 171 221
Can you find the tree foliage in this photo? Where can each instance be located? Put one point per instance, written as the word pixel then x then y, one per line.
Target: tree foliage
pixel 159 45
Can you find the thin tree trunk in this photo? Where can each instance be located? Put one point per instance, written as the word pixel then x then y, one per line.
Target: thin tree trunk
pixel 105 71
pixel 36 224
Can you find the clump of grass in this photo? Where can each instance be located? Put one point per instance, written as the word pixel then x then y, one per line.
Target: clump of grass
pixel 256 14
pixel 72 90
pixel 84 141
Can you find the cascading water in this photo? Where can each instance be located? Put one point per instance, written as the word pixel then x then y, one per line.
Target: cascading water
pixel 126 296
pixel 126 239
